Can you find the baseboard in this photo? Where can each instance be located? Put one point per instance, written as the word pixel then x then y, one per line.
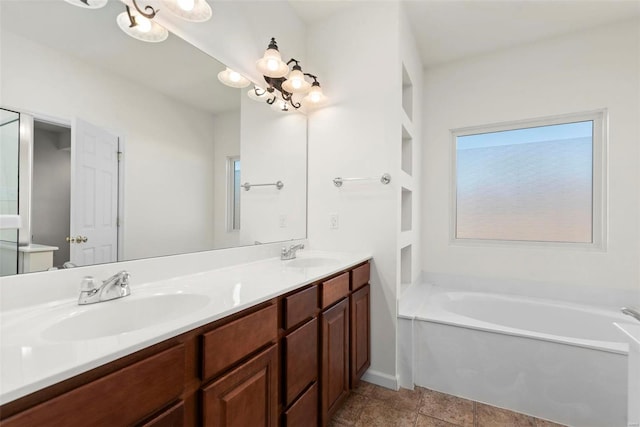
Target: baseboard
pixel 381 379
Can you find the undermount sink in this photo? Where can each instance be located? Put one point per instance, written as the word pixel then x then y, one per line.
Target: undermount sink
pixel 311 262
pixel 124 315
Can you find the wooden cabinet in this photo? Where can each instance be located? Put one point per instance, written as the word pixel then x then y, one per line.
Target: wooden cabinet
pixel 289 361
pixel 246 396
pixel 345 336
pixel 124 397
pixel 335 357
pixel 360 331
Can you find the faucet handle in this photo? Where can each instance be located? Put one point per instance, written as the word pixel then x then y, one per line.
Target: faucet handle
pixel 124 278
pixel 88 284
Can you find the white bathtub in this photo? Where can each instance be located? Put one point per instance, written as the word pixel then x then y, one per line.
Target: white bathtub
pixel 553 360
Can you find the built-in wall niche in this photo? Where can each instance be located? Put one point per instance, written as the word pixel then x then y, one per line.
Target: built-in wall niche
pixel 405 266
pixel 407 93
pixel 405 223
pixel 407 153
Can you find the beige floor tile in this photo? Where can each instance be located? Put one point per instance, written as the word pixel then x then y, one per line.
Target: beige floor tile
pixel 425 421
pixel 490 416
pixel 447 408
pixel 377 414
pixel 402 400
pixel 350 410
pixel 365 388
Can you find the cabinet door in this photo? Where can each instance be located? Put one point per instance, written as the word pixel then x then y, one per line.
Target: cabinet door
pixel 360 333
pixel 172 417
pixel 335 357
pixel 246 396
pixel 301 360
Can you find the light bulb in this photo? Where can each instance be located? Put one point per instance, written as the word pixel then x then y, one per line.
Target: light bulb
pixel 315 96
pixel 186 4
pixel 234 76
pixel 143 24
pixel 273 64
pixel 297 84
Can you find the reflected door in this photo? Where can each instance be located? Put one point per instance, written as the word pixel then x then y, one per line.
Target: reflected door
pixel 94 195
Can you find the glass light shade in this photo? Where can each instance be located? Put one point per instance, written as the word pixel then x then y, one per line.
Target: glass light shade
pixel 92 4
pixel 271 64
pixel 281 106
pixel 189 10
pixel 315 97
pixel 146 30
pixel 296 83
pixel 261 96
pixel 233 79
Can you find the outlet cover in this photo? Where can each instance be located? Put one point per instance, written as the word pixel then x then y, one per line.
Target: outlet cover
pixel 333 222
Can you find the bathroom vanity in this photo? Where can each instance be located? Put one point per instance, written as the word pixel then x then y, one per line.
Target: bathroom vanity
pixel 279 355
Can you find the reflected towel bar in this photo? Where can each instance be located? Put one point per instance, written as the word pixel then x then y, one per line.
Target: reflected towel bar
pixel 385 179
pixel 247 186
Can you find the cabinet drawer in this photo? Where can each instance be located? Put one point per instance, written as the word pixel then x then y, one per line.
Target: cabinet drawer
pixel 335 289
pixel 303 413
pixel 228 344
pixel 360 276
pixel 301 360
pixel 121 398
pixel 172 417
pixel 300 307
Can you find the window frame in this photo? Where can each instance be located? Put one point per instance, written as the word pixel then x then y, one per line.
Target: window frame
pixel 599 205
pixel 231 160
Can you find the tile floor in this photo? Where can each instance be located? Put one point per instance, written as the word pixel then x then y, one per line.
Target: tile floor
pixel 373 406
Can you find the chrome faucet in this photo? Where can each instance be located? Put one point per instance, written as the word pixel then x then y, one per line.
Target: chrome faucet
pixel 290 252
pixel 631 312
pixel 116 286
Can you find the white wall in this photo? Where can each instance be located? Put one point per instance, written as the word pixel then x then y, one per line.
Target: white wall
pixel 226 139
pixel 167 144
pixel 273 147
pixel 585 71
pixel 357 135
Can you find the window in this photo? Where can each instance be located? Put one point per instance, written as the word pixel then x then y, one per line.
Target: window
pixel 233 193
pixel 533 181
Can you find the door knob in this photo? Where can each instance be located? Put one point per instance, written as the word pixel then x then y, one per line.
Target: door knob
pixel 77 239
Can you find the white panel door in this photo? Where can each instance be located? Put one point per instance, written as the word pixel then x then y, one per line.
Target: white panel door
pixel 94 194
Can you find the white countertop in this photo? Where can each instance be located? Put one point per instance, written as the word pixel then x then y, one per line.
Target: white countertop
pixel 35 247
pixel 632 331
pixel 30 362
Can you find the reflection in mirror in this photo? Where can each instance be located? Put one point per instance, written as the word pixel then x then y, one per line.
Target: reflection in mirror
pixel 133 150
pixel 9 148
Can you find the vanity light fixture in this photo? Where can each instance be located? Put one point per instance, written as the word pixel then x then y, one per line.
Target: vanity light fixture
pixel 258 94
pixel 189 10
pixel 278 77
pixel 138 22
pixel 88 4
pixel 233 78
pixel 140 25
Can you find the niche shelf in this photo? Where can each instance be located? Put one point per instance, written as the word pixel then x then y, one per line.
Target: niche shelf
pixel 407 93
pixel 405 223
pixel 407 151
pixel 405 267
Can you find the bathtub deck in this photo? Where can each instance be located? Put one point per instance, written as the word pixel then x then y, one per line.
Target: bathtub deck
pixel 371 405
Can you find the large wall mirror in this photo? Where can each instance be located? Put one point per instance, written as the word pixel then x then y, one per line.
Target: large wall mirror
pixel 131 150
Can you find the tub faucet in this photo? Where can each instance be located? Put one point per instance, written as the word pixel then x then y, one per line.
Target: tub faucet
pixel 631 312
pixel 116 286
pixel 290 252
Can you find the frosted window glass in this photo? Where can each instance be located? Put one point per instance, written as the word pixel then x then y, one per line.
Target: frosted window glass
pixel 532 184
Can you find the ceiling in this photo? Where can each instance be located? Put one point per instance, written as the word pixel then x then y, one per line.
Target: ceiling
pixel 174 67
pixel 449 30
